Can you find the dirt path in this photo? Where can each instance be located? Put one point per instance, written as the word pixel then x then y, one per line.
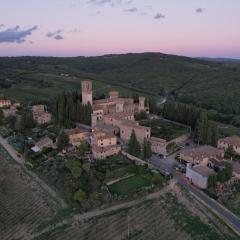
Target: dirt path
pixel 99 212
pixel 13 153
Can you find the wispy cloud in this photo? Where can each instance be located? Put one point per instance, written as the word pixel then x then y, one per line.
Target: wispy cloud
pixel 58 37
pixel 16 35
pixel 113 3
pixel 56 34
pixel 52 34
pixel 200 10
pixel 131 10
pixel 159 16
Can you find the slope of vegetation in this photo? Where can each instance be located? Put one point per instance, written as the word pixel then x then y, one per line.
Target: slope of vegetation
pixel 209 84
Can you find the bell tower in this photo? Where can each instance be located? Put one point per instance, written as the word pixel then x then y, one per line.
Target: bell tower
pixel 87 92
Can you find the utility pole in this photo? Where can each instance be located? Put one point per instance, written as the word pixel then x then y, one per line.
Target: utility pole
pixel 128 226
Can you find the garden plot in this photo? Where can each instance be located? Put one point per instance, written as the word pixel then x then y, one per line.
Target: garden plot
pixel 161 128
pixel 23 204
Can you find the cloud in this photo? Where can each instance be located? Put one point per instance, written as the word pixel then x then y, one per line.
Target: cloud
pixel 113 3
pixel 159 16
pixel 2 25
pixel 200 10
pixel 131 10
pixel 95 14
pixel 52 34
pixel 16 35
pixel 58 37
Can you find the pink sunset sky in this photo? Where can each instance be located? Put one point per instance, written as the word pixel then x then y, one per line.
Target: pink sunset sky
pixel 197 28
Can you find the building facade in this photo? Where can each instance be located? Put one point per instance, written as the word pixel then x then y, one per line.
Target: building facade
pixel 234 142
pixel 104 144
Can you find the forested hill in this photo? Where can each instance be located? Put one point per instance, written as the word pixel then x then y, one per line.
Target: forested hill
pixel 209 84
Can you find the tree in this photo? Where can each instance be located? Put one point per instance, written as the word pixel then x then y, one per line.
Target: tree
pixel 82 148
pixel 230 153
pixel 79 196
pixel 212 181
pixel 63 140
pixel 134 147
pixel 147 151
pixel 1 116
pixel 74 167
pixel 140 116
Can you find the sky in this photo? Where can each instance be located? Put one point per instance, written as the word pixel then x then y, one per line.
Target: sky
pixel 195 28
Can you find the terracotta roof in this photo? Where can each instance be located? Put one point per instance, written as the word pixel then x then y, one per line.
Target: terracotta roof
pixel 202 152
pixel 203 170
pixel 101 134
pixel 158 140
pixel 218 163
pixel 233 141
pixel 120 115
pixel 75 131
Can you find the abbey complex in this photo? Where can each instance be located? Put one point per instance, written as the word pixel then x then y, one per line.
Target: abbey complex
pixel 114 116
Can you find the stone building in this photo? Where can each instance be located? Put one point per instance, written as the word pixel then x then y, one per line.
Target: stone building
pixel 199 175
pixel 201 155
pixel 104 144
pixel 87 92
pixel 77 136
pixel 44 142
pixel 234 142
pixel 158 145
pixel 40 115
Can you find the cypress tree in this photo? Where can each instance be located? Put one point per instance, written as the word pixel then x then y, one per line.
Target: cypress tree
pixel 147 151
pixel 134 147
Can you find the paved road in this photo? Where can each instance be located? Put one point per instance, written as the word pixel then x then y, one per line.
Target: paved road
pixel 166 164
pixel 13 153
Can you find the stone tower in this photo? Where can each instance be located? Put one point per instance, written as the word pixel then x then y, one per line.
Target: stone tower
pixel 94 120
pixel 141 103
pixel 87 92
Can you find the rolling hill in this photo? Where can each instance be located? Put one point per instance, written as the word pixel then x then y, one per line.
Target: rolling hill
pixel 208 84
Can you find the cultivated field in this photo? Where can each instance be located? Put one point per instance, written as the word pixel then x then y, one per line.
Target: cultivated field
pixel 174 216
pixel 23 204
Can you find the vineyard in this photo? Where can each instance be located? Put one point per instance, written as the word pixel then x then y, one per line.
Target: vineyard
pixel 23 204
pixel 160 219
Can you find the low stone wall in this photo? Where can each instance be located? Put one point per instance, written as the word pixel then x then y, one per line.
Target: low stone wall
pixel 138 161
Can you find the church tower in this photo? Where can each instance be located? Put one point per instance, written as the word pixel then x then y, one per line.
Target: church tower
pixel 87 92
pixel 141 103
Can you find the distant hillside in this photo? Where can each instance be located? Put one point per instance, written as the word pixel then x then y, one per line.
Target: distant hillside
pixel 209 84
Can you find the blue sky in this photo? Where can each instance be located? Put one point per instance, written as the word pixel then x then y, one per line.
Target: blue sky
pixel 94 27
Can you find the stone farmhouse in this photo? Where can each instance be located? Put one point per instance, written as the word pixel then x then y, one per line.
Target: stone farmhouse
pixel 115 115
pixel 201 155
pixel 44 142
pixel 77 136
pixel 234 142
pixel 104 144
pixel 40 115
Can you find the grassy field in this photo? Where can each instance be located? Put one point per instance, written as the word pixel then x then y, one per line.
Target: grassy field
pixel 130 185
pixel 228 130
pixel 164 129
